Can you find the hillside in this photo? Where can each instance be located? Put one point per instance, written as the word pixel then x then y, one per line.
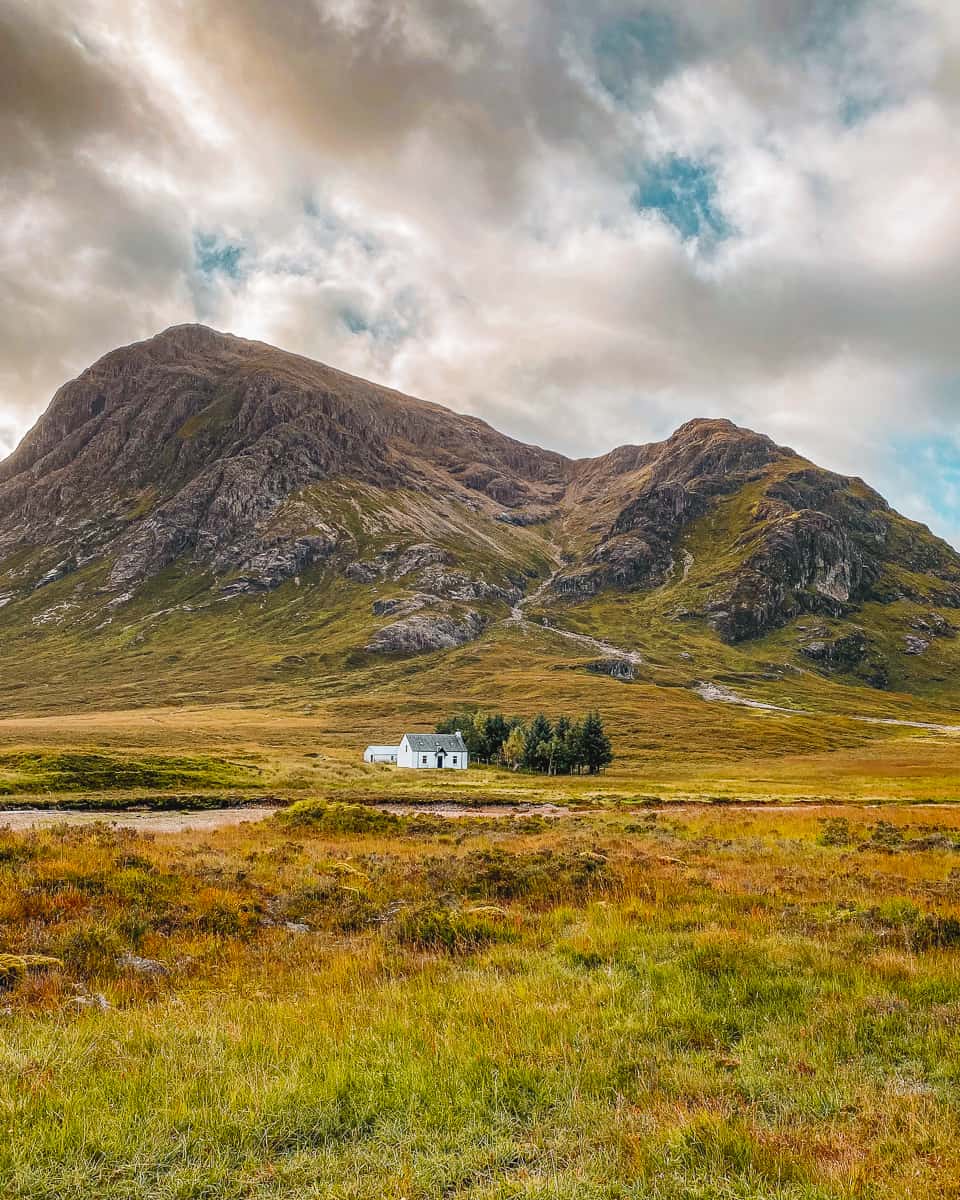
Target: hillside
pixel 199 517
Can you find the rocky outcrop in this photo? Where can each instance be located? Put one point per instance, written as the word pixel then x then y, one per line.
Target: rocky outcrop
pixel 802 562
pixel 458 585
pixel 933 625
pixel 424 633
pixel 617 668
pixel 415 558
pixel 850 653
pixel 278 562
pixel 401 606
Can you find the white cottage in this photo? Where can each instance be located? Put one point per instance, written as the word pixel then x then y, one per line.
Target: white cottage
pixel 428 751
pixel 423 752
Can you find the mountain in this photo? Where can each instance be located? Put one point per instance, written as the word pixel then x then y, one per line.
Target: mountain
pixel 197 483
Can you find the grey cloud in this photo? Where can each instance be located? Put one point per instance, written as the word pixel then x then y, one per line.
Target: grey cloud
pixel 440 194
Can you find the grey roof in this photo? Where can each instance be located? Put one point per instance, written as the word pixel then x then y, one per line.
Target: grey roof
pixel 429 743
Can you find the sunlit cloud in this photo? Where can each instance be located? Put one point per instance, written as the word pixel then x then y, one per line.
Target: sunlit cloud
pixel 586 223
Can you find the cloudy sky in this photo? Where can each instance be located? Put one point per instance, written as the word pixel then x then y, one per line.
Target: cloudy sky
pixel 584 222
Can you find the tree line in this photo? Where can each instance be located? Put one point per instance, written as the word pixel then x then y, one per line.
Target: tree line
pixel 562 747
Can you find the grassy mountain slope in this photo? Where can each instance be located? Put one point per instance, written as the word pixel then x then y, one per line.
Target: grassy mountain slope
pixel 199 520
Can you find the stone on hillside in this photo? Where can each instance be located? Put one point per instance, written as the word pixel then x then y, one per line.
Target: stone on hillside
pixel 142 966
pixel 616 668
pixel 362 572
pixel 934 625
pixel 397 606
pixel 424 633
pixel 415 558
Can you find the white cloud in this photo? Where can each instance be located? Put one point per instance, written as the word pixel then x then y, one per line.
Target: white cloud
pixel 441 195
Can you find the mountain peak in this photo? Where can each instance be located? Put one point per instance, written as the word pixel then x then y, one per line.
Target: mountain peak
pixel 247 468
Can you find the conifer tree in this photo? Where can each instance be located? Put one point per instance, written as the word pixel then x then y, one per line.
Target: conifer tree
pixel 537 734
pixel 595 745
pixel 498 730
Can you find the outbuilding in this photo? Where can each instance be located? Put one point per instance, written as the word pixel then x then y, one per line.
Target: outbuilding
pixel 381 754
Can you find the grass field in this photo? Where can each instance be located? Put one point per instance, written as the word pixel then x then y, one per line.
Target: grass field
pixel 662 994
pixel 698 1003
pixel 669 744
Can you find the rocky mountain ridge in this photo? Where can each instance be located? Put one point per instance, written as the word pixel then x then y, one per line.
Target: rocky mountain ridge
pixel 252 469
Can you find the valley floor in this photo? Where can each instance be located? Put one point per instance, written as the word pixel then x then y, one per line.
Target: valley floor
pixel 338 1003
pixel 670 745
pixel 663 994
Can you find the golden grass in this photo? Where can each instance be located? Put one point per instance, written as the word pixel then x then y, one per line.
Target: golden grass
pixel 706 1003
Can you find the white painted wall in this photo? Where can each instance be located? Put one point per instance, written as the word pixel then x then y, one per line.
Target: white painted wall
pixel 381 754
pixel 428 761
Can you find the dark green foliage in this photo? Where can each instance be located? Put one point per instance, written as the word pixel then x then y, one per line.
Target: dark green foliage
pixel 483 735
pixel 595 750
pixel 338 818
pixel 551 749
pixel 835 832
pixel 538 734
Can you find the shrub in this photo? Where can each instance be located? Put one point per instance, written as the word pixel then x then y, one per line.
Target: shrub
pixel 917 930
pixel 886 837
pixel 331 903
pixel 324 817
pixel 19 851
pixel 92 950
pixel 450 930
pixel 225 914
pixel 835 831
pixel 498 875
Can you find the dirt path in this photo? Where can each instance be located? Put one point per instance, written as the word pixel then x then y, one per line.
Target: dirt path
pixel 711 692
pixel 715 693
pixel 20 819
pixel 604 649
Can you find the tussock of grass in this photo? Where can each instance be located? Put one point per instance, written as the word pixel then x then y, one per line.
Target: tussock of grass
pixel 15 967
pixel 337 818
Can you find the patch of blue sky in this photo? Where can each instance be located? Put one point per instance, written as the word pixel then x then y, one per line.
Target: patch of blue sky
pixel 823 23
pixel 684 192
pixel 640 49
pixel 854 110
pixel 391 327
pixel 830 34
pixel 213 255
pixel 331 228
pixel 931 465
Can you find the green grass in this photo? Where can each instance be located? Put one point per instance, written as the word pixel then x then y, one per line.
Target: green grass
pixel 44 772
pixel 720 1005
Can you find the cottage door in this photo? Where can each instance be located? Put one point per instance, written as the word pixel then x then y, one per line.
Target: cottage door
pixel 440 754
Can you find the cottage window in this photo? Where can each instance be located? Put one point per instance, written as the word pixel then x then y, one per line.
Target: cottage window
pixel 454 760
pixel 423 759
